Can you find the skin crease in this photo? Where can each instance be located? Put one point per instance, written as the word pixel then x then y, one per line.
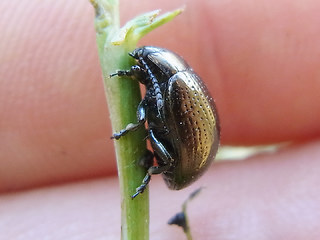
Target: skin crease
pixel 260 60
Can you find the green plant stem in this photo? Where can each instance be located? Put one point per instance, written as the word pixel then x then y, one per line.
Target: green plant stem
pixel 123 96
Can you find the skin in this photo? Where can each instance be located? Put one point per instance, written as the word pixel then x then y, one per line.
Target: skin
pixel 260 60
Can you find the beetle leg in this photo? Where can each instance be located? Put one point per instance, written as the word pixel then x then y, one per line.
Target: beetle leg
pixel 141 116
pixel 135 70
pixel 158 169
pixel 151 171
pixel 146 161
pixel 163 154
pixel 160 149
pixel 143 186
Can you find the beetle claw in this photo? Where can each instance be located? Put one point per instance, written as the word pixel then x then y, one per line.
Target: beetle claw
pixel 116 136
pixel 138 191
pixel 134 195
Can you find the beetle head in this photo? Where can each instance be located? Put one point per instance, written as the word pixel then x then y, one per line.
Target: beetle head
pixel 136 53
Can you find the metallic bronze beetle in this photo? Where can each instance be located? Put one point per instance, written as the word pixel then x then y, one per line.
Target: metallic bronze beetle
pixel 183 125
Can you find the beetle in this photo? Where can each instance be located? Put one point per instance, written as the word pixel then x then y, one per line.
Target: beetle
pixel 182 120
